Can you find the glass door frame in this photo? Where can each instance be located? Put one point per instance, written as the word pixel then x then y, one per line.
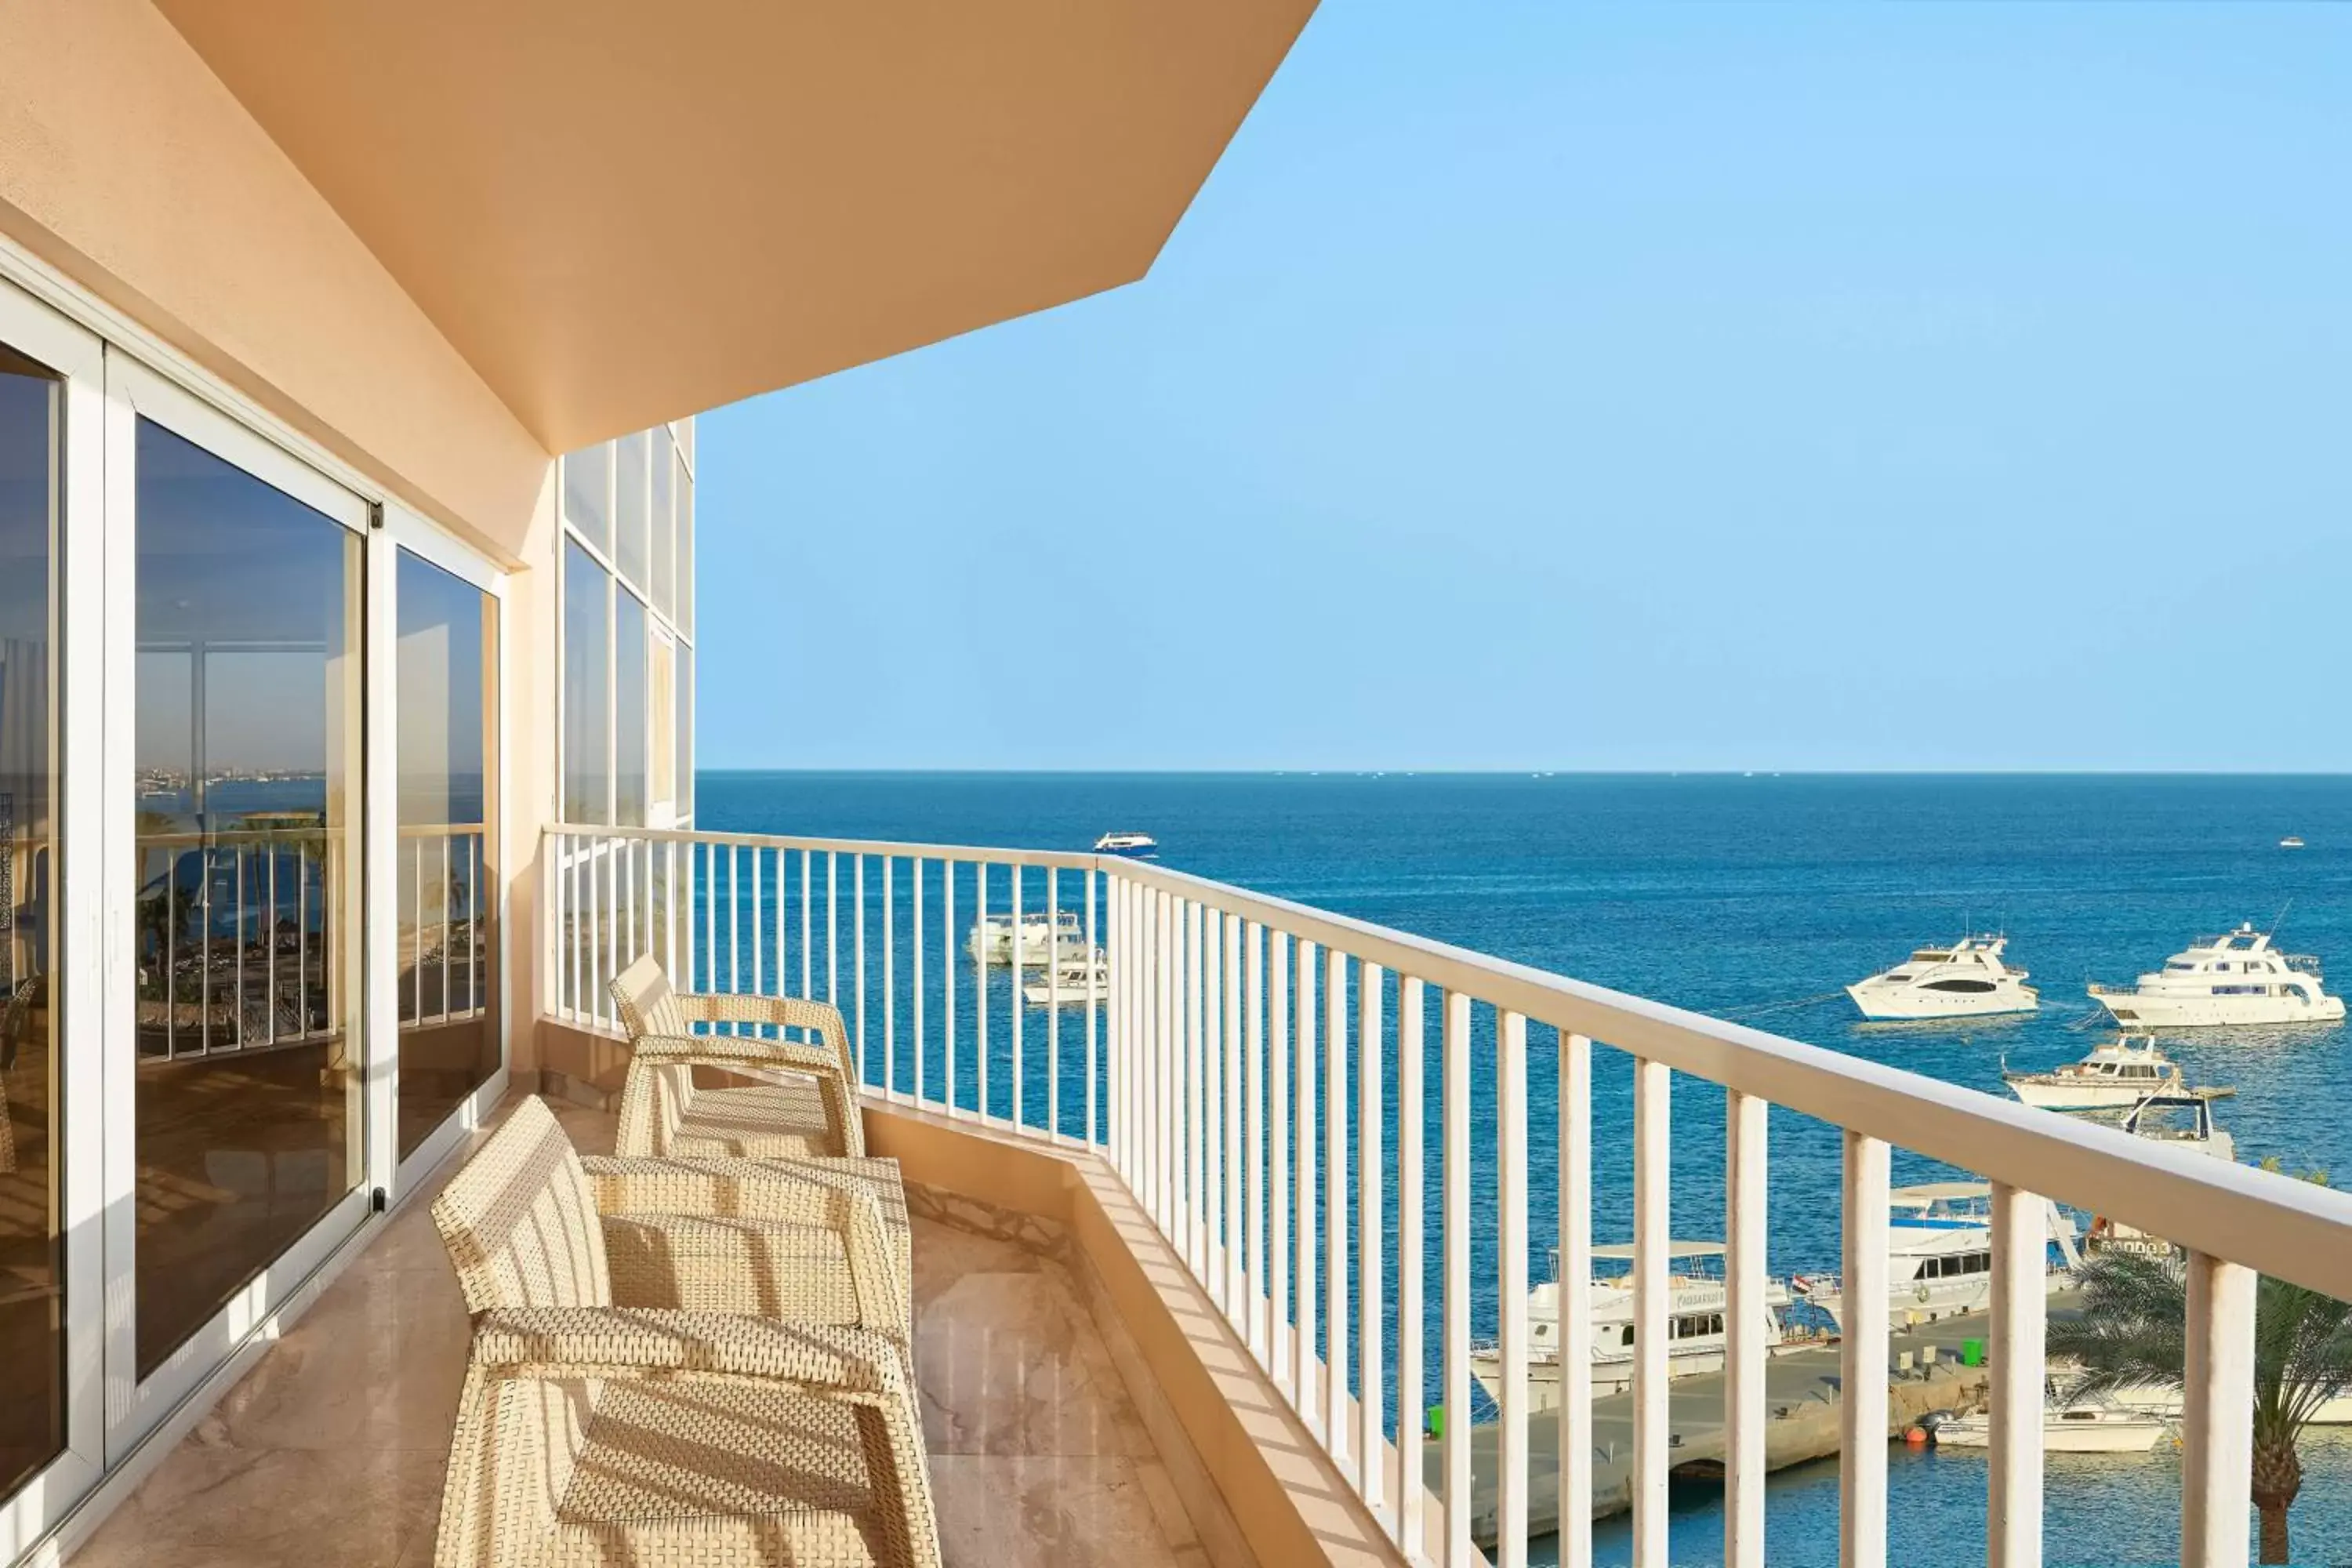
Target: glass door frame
pixel 404 529
pixel 79 562
pixel 135 1406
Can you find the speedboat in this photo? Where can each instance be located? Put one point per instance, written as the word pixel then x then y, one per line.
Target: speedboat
pixel 1070 982
pixel 2290 842
pixel 2091 1427
pixel 1046 936
pixel 1964 980
pixel 1695 1332
pixel 1140 844
pixel 2237 977
pixel 1939 1255
pixel 2114 1076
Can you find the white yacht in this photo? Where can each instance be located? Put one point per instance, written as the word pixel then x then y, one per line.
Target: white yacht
pixel 2091 1427
pixel 1140 844
pixel 2114 1077
pixel 1046 936
pixel 1070 982
pixel 1694 1333
pixel 1961 981
pixel 1939 1255
pixel 2237 977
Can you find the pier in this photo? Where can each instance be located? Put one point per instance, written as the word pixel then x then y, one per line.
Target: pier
pixel 1802 1399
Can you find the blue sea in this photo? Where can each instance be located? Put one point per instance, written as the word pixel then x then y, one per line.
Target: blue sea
pixel 1758 897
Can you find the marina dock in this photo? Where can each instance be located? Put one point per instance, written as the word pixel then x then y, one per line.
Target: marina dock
pixel 1800 1392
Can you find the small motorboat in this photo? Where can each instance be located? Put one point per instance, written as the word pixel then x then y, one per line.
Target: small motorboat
pixel 2092 1427
pixel 1070 982
pixel 1137 844
pixel 2290 842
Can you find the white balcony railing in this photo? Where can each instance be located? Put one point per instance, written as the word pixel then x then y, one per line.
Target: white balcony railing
pixel 1258 1073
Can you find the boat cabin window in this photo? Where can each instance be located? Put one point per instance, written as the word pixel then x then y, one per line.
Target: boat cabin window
pixel 1692 1325
pixel 1927 955
pixel 1955 1265
pixel 1628 1334
pixel 1969 985
pixel 2177 967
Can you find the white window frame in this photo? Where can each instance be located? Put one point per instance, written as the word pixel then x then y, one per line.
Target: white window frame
pixel 77 355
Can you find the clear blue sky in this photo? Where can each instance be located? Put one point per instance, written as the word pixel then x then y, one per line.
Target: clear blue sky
pixel 1621 386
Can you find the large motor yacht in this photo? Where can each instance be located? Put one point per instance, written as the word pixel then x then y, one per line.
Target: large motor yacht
pixel 2116 1075
pixel 1961 981
pixel 1695 1332
pixel 2237 977
pixel 1045 937
pixel 1939 1255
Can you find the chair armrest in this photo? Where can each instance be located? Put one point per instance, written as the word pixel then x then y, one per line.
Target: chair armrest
pixel 739 1050
pixel 640 1341
pixel 810 1192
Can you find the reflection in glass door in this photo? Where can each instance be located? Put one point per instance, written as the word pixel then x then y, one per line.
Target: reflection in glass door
pixel 33 1389
pixel 248 1122
pixel 445 870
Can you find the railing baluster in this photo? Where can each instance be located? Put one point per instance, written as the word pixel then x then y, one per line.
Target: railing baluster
pixel 2217 1454
pixel 1652 1306
pixel 832 928
pixel 1745 1275
pixel 1093 986
pixel 1020 953
pixel 1335 1204
pixel 1193 1210
pixel 1511 1162
pixel 1575 1300
pixel 1252 1048
pixel 1053 1003
pixel 889 979
pixel 1282 1343
pixel 980 955
pixel 858 950
pixel 947 985
pixel 1303 1236
pixel 759 942
pixel 1861 1358
pixel 1237 1309
pixel 1167 1098
pixel 735 923
pixel 915 931
pixel 1455 1107
pixel 1410 1487
pixel 1211 1140
pixel 1371 1442
pixel 2019 1303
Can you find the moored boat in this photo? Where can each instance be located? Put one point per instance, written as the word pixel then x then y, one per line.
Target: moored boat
pixel 2237 977
pixel 2116 1075
pixel 1965 980
pixel 1126 843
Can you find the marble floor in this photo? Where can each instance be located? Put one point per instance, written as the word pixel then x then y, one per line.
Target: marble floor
pixel 330 1450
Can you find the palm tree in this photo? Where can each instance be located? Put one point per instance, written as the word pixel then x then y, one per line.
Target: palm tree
pixel 2133 1330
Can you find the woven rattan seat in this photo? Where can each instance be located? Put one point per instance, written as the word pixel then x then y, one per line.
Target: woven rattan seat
pixel 805 1103
pixel 660 1431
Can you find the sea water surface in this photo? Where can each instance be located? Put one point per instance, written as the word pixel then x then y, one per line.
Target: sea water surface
pixel 1758 897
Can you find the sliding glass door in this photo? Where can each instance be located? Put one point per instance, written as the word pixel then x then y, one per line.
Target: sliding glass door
pixel 446 862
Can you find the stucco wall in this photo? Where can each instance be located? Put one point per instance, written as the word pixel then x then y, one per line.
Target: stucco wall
pixel 125 164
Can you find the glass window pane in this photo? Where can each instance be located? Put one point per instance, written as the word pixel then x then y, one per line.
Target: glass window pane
pixel 246 746
pixel 32 1243
pixel 446 876
pixel 664 737
pixel 686 551
pixel 587 658
pixel 665 567
pixel 628 710
pixel 685 731
pixel 587 495
pixel 629 508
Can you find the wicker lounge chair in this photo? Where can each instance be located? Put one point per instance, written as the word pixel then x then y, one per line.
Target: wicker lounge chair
pixel 805 1103
pixel 593 1434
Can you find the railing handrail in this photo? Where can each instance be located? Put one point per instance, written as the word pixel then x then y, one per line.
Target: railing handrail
pixel 2276 1223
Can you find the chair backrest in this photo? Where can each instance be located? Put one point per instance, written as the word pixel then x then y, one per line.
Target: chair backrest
pixel 648 1005
pixel 520 1220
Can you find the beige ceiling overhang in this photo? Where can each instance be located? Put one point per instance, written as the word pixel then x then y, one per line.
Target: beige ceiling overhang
pixel 622 213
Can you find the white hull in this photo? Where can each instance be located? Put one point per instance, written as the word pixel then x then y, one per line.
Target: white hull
pixel 2078 1095
pixel 1607 1376
pixel 1888 1003
pixel 2155 1010
pixel 1925 1300
pixel 2079 1431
